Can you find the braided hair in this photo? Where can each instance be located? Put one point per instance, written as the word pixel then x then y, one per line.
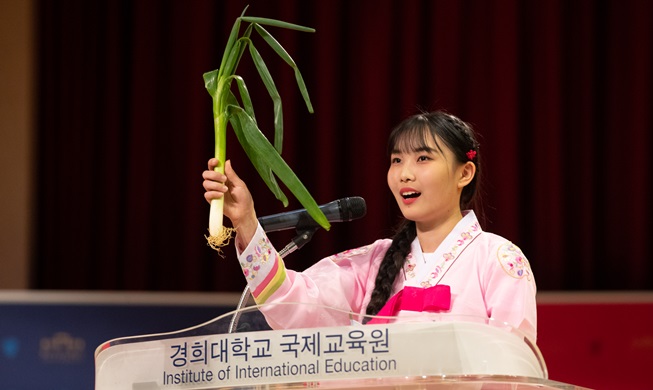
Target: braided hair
pixel 416 133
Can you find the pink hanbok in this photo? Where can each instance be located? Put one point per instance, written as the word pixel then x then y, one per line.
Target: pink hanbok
pixel 486 275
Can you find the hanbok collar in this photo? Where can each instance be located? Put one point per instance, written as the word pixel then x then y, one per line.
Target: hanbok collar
pixel 437 264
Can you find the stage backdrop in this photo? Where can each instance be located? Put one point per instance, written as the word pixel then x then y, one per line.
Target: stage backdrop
pixel 560 91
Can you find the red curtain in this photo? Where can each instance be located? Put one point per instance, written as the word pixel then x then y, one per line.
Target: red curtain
pixel 560 92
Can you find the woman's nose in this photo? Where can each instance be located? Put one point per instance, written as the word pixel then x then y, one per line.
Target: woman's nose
pixel 406 174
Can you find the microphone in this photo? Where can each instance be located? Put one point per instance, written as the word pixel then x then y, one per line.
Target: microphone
pixel 341 210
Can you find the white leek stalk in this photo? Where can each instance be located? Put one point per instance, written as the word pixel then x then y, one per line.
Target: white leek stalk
pixel 219 235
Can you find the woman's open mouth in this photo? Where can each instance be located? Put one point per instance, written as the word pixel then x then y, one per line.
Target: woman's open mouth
pixel 409 195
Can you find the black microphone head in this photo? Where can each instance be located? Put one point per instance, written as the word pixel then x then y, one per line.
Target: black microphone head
pixel 341 210
pixel 353 207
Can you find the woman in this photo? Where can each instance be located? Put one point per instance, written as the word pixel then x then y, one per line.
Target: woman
pixel 439 261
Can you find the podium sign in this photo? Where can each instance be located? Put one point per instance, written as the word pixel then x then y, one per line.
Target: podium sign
pixel 328 357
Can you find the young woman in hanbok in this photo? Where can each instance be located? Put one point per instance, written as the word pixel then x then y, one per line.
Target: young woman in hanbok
pixel 439 261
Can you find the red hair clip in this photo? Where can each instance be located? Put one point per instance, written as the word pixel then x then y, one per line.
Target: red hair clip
pixel 471 154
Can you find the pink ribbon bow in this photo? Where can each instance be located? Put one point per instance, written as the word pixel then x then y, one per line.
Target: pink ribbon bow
pixel 431 299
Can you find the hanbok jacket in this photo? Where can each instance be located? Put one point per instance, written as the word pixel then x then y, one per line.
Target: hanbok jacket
pixel 487 276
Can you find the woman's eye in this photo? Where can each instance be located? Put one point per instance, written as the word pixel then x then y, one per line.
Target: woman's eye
pixel 423 158
pixel 395 160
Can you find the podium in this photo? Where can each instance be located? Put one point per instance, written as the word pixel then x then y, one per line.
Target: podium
pixel 239 351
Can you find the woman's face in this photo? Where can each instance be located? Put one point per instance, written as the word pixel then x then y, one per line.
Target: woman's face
pixel 426 183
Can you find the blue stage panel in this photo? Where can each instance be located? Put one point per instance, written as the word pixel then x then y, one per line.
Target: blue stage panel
pixel 48 339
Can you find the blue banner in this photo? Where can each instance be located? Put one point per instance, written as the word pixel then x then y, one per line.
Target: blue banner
pixel 51 346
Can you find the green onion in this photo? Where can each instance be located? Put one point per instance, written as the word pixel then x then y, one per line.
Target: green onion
pixel 265 157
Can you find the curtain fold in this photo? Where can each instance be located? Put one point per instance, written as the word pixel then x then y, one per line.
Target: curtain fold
pixel 560 92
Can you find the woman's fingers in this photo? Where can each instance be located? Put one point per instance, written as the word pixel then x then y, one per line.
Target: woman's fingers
pixel 214 182
pixel 213 162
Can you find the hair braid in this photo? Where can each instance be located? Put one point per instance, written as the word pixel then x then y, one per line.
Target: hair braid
pixel 391 264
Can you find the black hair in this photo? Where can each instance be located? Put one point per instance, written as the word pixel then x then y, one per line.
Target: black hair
pixel 413 134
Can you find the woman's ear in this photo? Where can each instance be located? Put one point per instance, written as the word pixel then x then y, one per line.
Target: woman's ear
pixel 467 172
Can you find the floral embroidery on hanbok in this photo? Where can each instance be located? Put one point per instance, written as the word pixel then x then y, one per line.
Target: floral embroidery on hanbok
pixel 431 279
pixel 513 261
pixel 409 267
pixel 465 238
pixel 351 253
pixel 252 263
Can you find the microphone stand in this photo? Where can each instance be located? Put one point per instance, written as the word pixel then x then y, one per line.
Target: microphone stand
pixel 298 242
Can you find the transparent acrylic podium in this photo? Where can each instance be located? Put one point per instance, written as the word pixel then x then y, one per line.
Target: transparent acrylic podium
pixel 239 350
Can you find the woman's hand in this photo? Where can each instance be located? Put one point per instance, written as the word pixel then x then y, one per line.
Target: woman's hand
pixel 238 202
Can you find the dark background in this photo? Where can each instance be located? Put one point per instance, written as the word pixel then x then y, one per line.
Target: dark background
pixel 560 91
